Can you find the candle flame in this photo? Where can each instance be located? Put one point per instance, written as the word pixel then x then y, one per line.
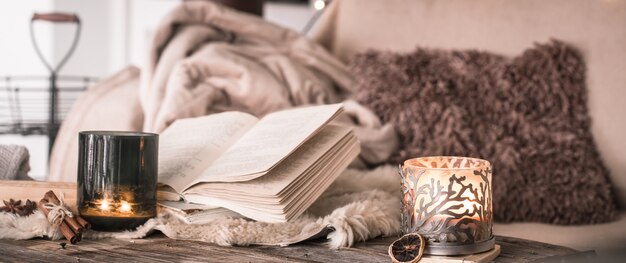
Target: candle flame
pixel 104 205
pixel 125 206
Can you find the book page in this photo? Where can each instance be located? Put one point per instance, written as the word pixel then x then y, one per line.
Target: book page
pixel 277 179
pixel 271 140
pixel 189 146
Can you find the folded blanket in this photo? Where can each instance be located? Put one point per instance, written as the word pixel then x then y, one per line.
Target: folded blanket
pixel 14 162
pixel 206 58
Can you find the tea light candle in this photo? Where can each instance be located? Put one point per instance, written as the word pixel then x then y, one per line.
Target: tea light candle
pixel 111 207
pixel 448 201
pixel 114 213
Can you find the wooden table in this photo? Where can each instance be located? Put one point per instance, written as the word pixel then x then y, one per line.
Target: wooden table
pixel 158 248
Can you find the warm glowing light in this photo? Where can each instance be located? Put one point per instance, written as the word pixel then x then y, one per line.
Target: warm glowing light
pixel 319 4
pixel 469 205
pixel 125 207
pixel 451 193
pixel 104 205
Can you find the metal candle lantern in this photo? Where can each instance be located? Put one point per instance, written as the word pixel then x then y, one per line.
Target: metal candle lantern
pixel 117 178
pixel 447 200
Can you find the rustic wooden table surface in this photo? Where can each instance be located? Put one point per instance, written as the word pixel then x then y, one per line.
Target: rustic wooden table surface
pixel 158 248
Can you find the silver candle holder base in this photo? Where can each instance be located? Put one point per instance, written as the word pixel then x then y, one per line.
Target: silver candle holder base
pixel 449 249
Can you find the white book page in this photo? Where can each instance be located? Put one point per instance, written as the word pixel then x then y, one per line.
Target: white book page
pixel 189 146
pixel 278 178
pixel 271 140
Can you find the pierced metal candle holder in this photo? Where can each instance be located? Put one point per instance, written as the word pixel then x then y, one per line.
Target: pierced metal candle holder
pixel 448 201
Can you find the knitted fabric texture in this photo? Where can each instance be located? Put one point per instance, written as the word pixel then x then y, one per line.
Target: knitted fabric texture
pixel 14 162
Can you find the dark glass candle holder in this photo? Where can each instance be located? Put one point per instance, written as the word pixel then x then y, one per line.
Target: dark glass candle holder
pixel 117 178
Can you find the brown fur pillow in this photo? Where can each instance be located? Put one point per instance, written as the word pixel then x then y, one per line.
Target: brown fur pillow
pixel 527 115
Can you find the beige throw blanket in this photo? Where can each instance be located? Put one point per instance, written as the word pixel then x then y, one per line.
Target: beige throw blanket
pixel 206 58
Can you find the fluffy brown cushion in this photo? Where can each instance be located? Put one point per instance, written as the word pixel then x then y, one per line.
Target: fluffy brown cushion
pixel 527 115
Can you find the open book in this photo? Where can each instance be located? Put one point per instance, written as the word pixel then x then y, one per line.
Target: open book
pixel 269 170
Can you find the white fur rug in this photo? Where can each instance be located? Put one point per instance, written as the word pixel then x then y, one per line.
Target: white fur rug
pixel 358 206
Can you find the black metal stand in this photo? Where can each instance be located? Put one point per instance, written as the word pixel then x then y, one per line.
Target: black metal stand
pixel 53 124
pixel 24 107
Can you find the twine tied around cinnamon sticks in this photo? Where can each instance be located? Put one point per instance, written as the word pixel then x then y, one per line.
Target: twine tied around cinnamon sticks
pixel 57 212
pixel 58 215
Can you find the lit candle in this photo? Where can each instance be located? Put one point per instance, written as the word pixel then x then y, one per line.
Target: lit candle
pixel 448 201
pixel 112 207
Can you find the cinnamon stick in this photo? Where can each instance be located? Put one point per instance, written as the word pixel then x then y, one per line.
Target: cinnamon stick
pixel 83 222
pixel 70 221
pixel 65 229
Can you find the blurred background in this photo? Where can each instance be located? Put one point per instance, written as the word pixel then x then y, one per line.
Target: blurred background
pixel 114 35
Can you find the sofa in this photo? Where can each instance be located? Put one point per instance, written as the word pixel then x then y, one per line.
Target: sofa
pixel 596 27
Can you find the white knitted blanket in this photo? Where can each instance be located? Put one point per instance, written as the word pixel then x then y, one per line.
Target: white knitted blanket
pixel 14 162
pixel 359 205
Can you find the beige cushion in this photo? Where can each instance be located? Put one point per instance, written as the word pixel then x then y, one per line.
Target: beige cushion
pixel 587 237
pixel 596 27
pixel 112 104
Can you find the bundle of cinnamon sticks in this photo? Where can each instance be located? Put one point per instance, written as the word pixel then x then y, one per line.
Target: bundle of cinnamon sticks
pixel 71 227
